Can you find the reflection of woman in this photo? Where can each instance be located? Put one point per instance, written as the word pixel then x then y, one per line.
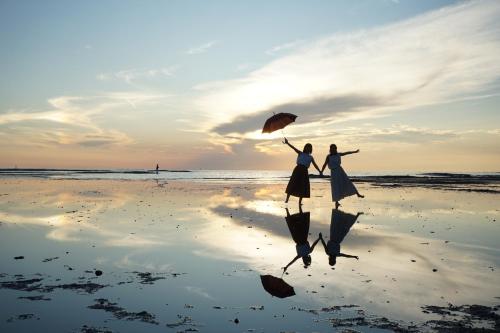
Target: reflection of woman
pixel 298 224
pixel 298 185
pixel 341 184
pixel 340 225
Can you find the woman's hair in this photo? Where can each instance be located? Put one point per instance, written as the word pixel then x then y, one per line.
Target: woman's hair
pixel 333 147
pixel 308 148
pixel 306 260
pixel 332 260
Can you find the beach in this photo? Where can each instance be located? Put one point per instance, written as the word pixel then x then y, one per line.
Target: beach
pixel 184 255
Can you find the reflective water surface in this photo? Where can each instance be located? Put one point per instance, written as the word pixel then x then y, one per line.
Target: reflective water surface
pixel 187 256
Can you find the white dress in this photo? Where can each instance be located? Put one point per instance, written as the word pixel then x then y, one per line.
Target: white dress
pixel 341 184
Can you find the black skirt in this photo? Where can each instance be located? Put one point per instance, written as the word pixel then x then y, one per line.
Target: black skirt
pixel 298 185
pixel 298 224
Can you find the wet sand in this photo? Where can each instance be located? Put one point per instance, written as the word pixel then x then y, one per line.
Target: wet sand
pixel 129 256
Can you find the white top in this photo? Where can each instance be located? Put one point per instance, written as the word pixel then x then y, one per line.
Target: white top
pixel 304 159
pixel 334 161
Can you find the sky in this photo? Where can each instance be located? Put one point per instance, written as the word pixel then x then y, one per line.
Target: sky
pixel 188 84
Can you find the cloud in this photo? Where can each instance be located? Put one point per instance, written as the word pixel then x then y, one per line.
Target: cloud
pixel 131 75
pixel 201 48
pixel 72 120
pixel 443 55
pixel 287 46
pixel 323 109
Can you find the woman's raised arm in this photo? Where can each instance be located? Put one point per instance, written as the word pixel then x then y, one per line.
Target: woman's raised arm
pixel 291 146
pixel 349 152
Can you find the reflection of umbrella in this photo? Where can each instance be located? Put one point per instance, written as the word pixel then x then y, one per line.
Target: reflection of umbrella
pixel 278 121
pixel 276 286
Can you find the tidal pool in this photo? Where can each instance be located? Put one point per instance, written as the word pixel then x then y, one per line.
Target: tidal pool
pixel 187 256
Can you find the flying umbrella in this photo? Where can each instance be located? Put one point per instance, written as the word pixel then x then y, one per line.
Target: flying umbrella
pixel 278 121
pixel 276 286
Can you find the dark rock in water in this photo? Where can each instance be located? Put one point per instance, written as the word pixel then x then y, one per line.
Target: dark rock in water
pixel 121 313
pixel 183 321
pixel 50 259
pixel 24 285
pixel 88 287
pixel 88 329
pixel 434 270
pixel 236 321
pixel 35 298
pixel 98 272
pixel 463 318
pixel 24 316
pixel 19 257
pixel 147 277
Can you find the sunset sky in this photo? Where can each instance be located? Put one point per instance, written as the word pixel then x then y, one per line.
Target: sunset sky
pixel 415 85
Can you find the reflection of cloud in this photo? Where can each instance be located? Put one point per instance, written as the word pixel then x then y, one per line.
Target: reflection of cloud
pixel 201 48
pixel 200 292
pixel 384 271
pixel 433 58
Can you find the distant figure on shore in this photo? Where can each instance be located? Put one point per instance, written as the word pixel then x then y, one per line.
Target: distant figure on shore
pixel 157 168
pixel 298 185
pixel 340 225
pixel 341 184
pixel 298 224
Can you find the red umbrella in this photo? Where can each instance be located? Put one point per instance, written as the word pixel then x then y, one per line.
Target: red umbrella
pixel 276 286
pixel 278 121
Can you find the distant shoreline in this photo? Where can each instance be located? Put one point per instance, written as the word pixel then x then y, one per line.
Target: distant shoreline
pixel 470 182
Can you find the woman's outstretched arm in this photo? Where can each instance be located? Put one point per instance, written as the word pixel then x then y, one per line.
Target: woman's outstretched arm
pixel 323 242
pixel 315 165
pixel 314 244
pixel 290 263
pixel 324 165
pixel 349 152
pixel 347 256
pixel 291 146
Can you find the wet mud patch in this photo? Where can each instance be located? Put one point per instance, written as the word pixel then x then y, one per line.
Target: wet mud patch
pixel 464 318
pixel 35 284
pixel 185 321
pixel 122 314
pixel 89 329
pixel 35 298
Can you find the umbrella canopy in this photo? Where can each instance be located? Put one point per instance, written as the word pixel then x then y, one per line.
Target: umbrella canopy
pixel 278 121
pixel 276 286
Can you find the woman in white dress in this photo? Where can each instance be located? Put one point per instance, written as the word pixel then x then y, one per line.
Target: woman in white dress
pixel 341 184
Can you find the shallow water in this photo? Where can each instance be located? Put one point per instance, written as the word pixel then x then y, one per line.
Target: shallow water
pixel 206 245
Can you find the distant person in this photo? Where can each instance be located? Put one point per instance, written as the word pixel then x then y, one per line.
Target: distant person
pixel 298 185
pixel 340 225
pixel 341 184
pixel 298 224
pixel 157 168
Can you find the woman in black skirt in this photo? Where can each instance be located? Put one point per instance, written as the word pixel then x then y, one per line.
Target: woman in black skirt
pixel 298 185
